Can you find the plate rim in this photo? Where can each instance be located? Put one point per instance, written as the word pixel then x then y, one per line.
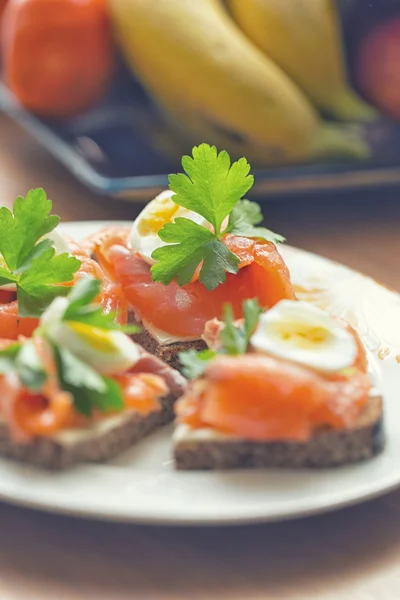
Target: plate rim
pixel 137 515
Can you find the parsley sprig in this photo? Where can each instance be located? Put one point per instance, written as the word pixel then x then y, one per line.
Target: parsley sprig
pixel 212 187
pixel 28 261
pixel 89 389
pixel 234 338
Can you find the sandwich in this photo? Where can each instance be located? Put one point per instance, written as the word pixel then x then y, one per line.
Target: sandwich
pixel 288 387
pixel 191 250
pixel 80 389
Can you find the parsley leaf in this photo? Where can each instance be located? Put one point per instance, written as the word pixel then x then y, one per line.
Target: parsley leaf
pixel 251 315
pixel 81 309
pixel 112 400
pixel 6 277
pixel 22 228
pixel 234 337
pixel 244 219
pixel 181 258
pixel 86 400
pixel 83 293
pixel 28 261
pixel 8 356
pixel 37 251
pixel 39 284
pixel 78 373
pixel 48 269
pixel 194 363
pixel 195 245
pixel 217 261
pixel 89 389
pixel 212 185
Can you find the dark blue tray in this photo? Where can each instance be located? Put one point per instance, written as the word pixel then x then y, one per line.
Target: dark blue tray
pixel 120 149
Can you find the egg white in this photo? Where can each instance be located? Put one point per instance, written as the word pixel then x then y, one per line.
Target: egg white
pixel 145 243
pixel 304 334
pixel 122 353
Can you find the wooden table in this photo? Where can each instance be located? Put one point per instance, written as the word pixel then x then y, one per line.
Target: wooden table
pixel 353 554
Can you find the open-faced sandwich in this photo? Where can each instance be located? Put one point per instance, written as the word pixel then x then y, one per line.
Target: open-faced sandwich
pixel 288 387
pixel 190 251
pixel 37 264
pixel 80 390
pixel 74 387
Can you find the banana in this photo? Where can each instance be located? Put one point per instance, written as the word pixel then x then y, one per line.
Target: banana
pixel 303 38
pixel 214 85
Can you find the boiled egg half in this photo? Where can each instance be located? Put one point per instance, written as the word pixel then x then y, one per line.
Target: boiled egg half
pixel 304 334
pixel 108 352
pixel 144 235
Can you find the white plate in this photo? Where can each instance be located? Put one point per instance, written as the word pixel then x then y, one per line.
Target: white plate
pixel 141 485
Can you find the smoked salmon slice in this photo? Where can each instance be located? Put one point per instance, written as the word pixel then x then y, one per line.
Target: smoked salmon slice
pixel 30 414
pixel 262 398
pixel 184 311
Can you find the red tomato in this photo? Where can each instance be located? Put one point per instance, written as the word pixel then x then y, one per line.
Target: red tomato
pixel 57 54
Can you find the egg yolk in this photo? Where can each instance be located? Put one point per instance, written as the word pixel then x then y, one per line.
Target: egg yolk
pixel 96 338
pixel 151 222
pixel 301 335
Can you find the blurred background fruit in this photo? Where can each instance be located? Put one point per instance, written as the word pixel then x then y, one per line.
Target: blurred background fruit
pixel 130 85
pixel 56 54
pixel 304 38
pixel 2 7
pixel 216 86
pixel 377 66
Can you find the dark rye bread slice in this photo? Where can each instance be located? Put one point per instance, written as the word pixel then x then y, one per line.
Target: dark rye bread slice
pixel 168 353
pixel 93 445
pixel 105 438
pixel 327 448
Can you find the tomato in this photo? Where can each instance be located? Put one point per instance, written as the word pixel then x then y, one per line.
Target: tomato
pixel 57 54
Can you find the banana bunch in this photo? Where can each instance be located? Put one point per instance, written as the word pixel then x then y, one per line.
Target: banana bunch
pixel 214 84
pixel 303 38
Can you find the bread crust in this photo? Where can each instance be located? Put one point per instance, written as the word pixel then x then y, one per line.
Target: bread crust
pixel 168 353
pixel 328 447
pixel 54 454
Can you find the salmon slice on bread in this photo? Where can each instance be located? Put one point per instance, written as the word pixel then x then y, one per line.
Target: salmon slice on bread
pixel 205 449
pixel 288 388
pixel 80 389
pixel 98 440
